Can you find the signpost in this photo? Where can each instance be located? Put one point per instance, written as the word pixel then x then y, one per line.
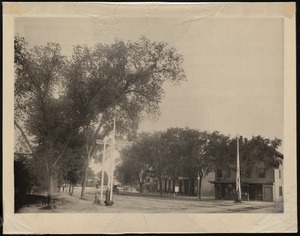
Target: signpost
pixel 112 160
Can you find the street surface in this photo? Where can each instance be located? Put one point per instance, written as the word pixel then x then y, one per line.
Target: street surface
pixel 130 202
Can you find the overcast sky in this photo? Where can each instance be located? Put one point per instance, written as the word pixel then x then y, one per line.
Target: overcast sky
pixel 234 67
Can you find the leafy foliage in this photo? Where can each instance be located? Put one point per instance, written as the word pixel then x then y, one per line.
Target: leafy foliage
pixel 135 165
pixel 24 177
pixel 59 99
pixel 191 153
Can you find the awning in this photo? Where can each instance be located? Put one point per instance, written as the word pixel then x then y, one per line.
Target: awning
pixel 233 182
pixel 222 182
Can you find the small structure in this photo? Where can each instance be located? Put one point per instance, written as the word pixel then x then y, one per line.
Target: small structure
pixel 90 183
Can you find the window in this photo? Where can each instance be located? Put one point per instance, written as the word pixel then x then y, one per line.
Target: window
pixel 219 173
pixel 279 174
pixel 262 172
pixel 228 173
pixel 280 191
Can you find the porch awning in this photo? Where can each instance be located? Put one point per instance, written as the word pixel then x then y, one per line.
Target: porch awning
pixel 222 182
pixel 268 183
pixel 242 182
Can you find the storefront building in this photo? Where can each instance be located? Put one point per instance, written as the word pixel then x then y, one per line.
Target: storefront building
pixel 261 184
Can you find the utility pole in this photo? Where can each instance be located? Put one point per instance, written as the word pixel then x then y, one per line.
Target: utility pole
pixel 112 160
pixel 102 172
pixel 238 178
pixel 112 142
pixel 198 188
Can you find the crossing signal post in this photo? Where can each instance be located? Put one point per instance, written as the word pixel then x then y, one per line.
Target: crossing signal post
pixel 113 143
pixel 112 162
pixel 102 172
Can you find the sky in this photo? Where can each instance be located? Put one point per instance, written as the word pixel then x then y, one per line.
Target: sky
pixel 234 67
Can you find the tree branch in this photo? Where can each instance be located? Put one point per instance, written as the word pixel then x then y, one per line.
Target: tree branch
pixel 24 136
pixel 141 93
pixel 61 154
pixel 33 153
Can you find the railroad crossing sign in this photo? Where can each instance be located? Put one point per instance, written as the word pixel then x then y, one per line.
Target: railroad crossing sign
pixel 119 143
pixel 99 141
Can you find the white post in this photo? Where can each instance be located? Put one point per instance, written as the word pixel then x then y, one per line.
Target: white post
pixel 198 186
pixel 238 178
pixel 102 173
pixel 112 159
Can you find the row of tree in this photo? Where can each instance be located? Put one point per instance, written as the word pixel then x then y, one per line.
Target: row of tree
pixel 62 105
pixel 191 153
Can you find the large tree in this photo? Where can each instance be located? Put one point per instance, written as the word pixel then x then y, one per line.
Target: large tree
pixel 146 157
pixel 57 99
pixel 198 164
pixel 187 154
pixel 174 152
pixel 39 109
pixel 121 79
pixel 135 162
pixel 255 151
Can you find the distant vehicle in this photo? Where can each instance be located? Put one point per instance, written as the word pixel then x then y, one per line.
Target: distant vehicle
pixel 115 189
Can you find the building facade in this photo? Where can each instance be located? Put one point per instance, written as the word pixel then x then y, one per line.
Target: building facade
pixel 261 184
pixel 182 186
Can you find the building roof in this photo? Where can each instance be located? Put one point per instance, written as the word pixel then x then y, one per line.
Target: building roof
pixel 279 154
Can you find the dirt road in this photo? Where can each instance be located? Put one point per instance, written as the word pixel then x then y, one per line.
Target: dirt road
pixel 133 203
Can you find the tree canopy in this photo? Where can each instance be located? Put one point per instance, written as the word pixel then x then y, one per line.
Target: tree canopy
pixel 60 100
pixel 185 152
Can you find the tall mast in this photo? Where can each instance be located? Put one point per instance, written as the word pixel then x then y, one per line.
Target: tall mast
pixel 102 173
pixel 112 160
pixel 238 178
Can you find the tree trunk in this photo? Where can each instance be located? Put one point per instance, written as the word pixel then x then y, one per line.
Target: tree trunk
pixel 70 185
pixel 141 187
pixel 160 186
pixel 72 190
pixel 189 186
pixel 84 178
pixel 50 192
pixel 200 185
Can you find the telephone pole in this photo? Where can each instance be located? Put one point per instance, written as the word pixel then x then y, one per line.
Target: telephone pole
pixel 238 177
pixel 112 160
pixel 102 172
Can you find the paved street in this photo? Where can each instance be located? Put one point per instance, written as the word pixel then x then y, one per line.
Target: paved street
pixel 134 203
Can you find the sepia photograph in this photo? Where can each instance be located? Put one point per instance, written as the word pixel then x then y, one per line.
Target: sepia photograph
pixel 148 113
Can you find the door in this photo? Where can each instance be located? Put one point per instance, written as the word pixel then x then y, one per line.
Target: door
pixel 223 191
pixel 252 192
pixel 268 194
